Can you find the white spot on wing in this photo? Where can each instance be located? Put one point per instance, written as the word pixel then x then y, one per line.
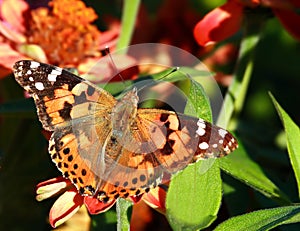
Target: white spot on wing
pixel 56 71
pixel 200 131
pixel 52 77
pixel 34 64
pixel 201 123
pixel 226 149
pixel 201 127
pixel 222 132
pixel 203 145
pixel 215 145
pixel 30 79
pixel 29 72
pixel 39 86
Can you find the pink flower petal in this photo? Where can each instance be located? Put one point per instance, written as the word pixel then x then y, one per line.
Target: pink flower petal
pixel 8 56
pixel 95 206
pixel 102 70
pixel 109 38
pixel 51 187
pixel 219 24
pixel 13 12
pixel 290 20
pixel 65 207
pixel 53 181
pixel 156 199
pixel 11 34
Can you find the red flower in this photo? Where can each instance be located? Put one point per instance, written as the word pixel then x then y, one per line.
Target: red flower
pixel 62 34
pixel 70 201
pixel 225 20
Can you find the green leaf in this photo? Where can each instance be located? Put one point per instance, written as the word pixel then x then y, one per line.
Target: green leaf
pixel 262 220
pixel 241 167
pixel 293 139
pixel 169 75
pixel 194 195
pixel 237 91
pixel 124 210
pixel 198 103
pixel 194 198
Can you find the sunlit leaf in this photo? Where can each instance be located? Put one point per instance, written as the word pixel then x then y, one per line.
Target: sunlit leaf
pixel 194 197
pixel 262 220
pixel 293 139
pixel 241 167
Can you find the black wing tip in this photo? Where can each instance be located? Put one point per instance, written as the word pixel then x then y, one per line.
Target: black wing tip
pixel 22 62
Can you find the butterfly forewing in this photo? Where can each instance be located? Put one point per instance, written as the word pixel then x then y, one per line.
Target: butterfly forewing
pixel 186 138
pixel 57 92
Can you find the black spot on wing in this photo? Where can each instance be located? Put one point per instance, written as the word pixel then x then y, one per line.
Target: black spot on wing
pixel 81 98
pixel 90 90
pixel 66 111
pixel 168 147
pixel 164 117
pixel 91 189
pixel 142 177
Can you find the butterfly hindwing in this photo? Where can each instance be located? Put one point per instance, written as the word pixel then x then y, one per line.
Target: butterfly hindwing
pixel 64 151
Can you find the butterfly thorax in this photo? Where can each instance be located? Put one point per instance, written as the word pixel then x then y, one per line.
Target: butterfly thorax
pixel 123 117
pixel 123 114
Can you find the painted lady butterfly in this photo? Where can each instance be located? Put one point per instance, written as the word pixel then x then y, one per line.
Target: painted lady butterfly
pixel 108 148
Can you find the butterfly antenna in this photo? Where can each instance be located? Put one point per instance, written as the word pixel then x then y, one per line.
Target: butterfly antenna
pixel 107 52
pixel 166 75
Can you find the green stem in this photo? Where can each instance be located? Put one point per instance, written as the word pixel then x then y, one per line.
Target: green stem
pixel 124 210
pixel 236 94
pixel 130 10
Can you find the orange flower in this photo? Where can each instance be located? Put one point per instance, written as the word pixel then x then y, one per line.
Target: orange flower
pixel 70 201
pixel 225 20
pixel 61 35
